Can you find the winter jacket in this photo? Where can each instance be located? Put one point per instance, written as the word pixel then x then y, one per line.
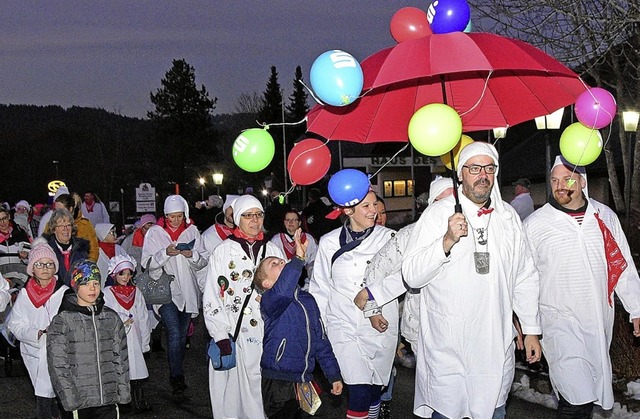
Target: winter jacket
pixel 79 251
pixel 87 355
pixel 294 334
pixel 13 244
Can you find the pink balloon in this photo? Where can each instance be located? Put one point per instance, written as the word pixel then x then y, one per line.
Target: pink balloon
pixel 596 108
pixel 308 161
pixel 409 23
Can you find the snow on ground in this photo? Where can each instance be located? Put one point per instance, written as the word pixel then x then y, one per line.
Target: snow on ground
pixel 522 390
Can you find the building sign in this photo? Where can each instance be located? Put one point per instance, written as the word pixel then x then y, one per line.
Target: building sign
pixel 145 198
pixel 404 161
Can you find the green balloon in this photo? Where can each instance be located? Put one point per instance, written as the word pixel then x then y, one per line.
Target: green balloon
pixel 435 129
pixel 580 145
pixel 254 149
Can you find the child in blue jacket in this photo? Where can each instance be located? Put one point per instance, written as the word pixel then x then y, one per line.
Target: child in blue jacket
pixel 294 336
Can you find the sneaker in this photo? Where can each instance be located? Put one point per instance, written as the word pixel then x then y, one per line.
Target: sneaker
pixel 385 410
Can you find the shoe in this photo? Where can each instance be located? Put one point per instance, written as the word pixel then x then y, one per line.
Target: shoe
pixel 138 401
pixel 178 385
pixel 385 410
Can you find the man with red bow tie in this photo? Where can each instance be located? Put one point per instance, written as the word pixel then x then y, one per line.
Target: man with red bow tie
pixel 473 270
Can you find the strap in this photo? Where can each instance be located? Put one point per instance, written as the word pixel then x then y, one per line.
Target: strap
pixel 244 305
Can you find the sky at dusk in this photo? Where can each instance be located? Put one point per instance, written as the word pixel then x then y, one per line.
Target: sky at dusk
pixel 112 54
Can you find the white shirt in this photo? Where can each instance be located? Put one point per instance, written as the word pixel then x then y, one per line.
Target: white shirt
pixel 523 204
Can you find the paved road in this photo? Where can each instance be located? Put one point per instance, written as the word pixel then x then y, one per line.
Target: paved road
pixel 17 401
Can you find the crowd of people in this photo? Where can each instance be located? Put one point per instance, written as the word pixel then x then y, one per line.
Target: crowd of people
pixel 293 296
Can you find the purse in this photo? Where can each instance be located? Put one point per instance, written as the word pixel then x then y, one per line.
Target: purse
pixel 155 291
pixel 308 397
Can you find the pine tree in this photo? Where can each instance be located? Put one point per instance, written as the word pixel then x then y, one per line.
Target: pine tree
pixel 297 108
pixel 272 113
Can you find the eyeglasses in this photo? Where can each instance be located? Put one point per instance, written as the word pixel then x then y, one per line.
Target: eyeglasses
pixel 64 226
pixel 48 265
pixel 291 220
pixel 251 215
pixel 475 169
pixel 3 219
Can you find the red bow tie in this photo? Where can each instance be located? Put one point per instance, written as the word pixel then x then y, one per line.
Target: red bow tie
pixel 482 211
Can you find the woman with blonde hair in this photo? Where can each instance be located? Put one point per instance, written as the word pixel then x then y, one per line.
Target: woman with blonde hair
pixel 84 228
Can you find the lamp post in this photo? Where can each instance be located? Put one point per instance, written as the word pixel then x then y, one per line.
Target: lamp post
pixel 630 122
pixel 201 180
pixel 547 122
pixel 55 163
pixel 217 180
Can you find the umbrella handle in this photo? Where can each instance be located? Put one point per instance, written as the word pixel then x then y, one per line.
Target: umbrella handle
pixel 457 207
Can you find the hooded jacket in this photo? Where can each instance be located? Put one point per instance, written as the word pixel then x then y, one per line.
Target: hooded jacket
pixel 87 355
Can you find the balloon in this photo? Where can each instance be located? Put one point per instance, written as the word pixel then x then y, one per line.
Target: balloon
pixel 308 161
pixel 595 107
pixel 446 16
pixel 348 187
pixel 435 129
pixel 336 78
pixel 409 23
pixel 253 150
pixel 465 140
pixel 580 145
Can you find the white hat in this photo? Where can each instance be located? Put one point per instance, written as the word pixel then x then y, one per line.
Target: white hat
pixel 60 191
pixel 120 262
pixel 176 203
pixel 228 202
pixel 479 148
pixel 578 169
pixel 439 185
pixel 242 204
pixel 23 204
pixel 103 229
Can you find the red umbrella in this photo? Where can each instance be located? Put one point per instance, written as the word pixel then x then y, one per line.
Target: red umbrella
pixel 492 81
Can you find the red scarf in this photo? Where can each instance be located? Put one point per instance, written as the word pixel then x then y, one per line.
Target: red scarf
pixel 90 206
pixel 109 249
pixel 5 236
pixel 616 264
pixel 240 234
pixel 125 295
pixel 175 234
pixel 138 238
pixel 290 246
pixel 39 294
pixel 223 230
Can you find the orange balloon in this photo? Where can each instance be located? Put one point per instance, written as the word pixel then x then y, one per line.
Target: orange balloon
pixel 465 140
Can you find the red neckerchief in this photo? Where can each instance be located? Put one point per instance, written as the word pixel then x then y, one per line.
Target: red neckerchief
pixel 6 236
pixel 125 295
pixel 239 234
pixel 223 230
pixel 175 234
pixel 138 238
pixel 90 207
pixel 289 247
pixel 109 249
pixel 39 294
pixel 616 263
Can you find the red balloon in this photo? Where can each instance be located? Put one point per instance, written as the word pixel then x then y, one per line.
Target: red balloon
pixel 409 23
pixel 308 161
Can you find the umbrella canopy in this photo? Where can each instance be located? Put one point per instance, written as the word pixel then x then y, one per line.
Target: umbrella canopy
pixel 490 80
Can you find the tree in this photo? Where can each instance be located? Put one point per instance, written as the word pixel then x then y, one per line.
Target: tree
pixel 272 112
pixel 249 103
pixel 182 117
pixel 297 108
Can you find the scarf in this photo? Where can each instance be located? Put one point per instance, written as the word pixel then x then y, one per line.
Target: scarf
pixel 241 235
pixel 39 294
pixel 175 234
pixel 138 238
pixel 251 248
pixel 90 206
pixel 125 295
pixel 289 245
pixel 7 235
pixel 109 249
pixel 616 264
pixel 65 249
pixel 223 230
pixel 349 240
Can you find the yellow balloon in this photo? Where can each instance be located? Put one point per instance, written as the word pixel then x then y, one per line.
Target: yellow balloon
pixel 465 140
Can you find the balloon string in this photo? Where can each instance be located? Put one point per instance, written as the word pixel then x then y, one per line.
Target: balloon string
pixel 313 95
pixel 280 124
pixel 390 160
pixel 484 90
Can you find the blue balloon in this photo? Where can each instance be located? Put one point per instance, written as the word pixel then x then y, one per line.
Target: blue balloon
pixel 336 78
pixel 446 16
pixel 348 187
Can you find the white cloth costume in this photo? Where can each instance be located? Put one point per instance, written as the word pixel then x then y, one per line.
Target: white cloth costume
pixel 235 393
pixel 138 332
pixel 25 321
pixel 523 204
pixel 97 215
pixel 465 353
pixel 363 355
pixel 577 320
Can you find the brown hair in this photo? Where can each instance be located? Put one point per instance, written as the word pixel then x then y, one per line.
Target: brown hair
pixel 260 274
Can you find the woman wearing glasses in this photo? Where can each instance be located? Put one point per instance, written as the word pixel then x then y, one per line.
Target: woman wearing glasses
pixel 160 251
pixel 35 306
pixel 60 235
pixel 236 393
pixel 84 228
pixel 109 248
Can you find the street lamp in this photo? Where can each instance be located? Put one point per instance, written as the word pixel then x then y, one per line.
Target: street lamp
pixel 201 180
pixel 217 180
pixel 547 122
pixel 630 122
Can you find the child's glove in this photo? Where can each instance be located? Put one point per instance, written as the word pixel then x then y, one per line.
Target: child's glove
pixel 225 346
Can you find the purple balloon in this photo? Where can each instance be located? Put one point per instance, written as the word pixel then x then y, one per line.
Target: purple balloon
pixel 446 16
pixel 595 108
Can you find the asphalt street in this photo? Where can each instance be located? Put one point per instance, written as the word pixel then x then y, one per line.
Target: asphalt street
pixel 17 400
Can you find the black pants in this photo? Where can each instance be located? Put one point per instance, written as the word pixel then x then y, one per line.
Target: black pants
pixel 100 412
pixel 567 410
pixel 47 407
pixel 279 399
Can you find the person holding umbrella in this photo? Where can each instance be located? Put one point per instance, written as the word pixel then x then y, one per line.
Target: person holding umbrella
pixel 473 269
